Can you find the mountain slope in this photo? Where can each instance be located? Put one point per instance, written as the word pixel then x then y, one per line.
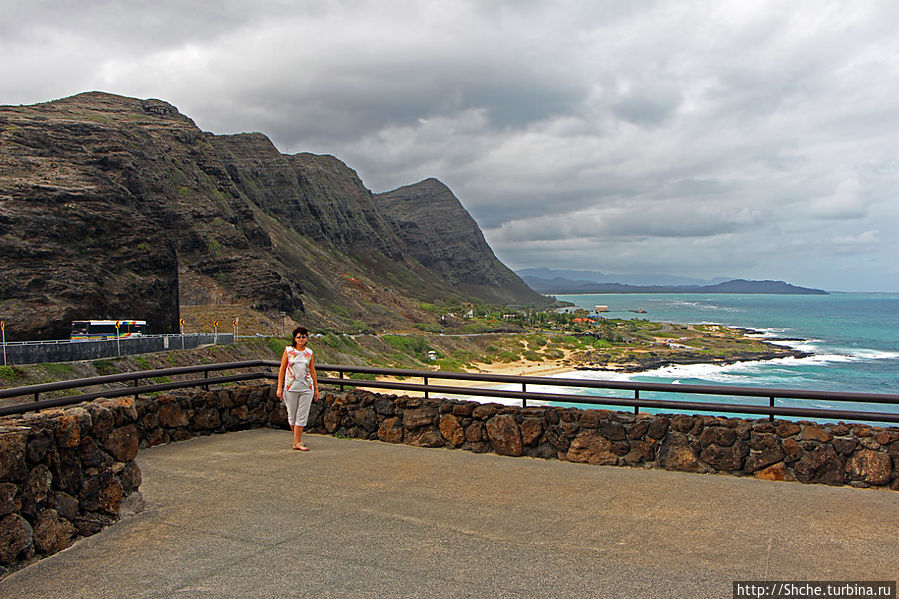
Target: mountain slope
pixel 440 234
pixel 114 207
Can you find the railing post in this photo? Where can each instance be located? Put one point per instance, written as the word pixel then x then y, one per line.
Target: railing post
pixel 205 376
pixel 37 397
pixel 426 384
pixel 524 400
pixel 636 398
pixel 341 376
pixel 771 403
pixel 135 384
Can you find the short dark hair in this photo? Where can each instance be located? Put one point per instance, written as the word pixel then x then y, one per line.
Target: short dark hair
pixel 298 331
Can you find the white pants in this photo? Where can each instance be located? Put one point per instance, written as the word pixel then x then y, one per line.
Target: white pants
pixel 298 404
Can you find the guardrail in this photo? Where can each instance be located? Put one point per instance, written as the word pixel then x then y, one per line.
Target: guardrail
pixel 771 395
pixel 134 377
pixel 68 350
pixel 141 336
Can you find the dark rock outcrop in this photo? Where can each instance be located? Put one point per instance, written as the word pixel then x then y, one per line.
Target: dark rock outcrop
pixel 114 207
pixel 440 234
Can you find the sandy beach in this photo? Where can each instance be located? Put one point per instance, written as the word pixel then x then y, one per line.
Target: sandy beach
pixel 518 367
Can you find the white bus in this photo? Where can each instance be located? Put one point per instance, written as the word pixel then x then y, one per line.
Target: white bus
pixel 89 330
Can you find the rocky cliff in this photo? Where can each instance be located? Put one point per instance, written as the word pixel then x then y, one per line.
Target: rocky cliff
pixel 114 207
pixel 440 234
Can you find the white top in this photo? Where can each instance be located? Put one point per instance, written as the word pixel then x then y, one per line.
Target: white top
pixel 298 376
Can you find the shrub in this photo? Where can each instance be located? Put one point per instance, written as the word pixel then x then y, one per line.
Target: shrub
pixel 507 356
pixel 277 345
pixel 537 341
pixel 331 340
pixel 58 371
pixel 409 344
pixel 11 374
pixel 554 354
pixel 104 367
pixel 450 364
pixel 362 376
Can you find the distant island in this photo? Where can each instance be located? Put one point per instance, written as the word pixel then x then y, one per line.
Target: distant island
pixel 563 285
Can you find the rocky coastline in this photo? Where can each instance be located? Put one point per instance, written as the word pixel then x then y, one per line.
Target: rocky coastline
pixel 652 359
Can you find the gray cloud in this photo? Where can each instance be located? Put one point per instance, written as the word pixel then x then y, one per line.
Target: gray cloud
pixel 693 138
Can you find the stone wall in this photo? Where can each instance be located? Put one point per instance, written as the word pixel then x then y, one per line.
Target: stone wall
pixel 64 474
pixel 69 472
pixel 836 454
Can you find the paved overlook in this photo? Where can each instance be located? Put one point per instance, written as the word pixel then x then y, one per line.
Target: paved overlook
pixel 241 515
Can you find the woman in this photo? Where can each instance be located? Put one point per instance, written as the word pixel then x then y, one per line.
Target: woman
pixel 298 384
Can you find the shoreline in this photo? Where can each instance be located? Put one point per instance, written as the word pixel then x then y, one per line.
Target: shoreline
pixel 516 368
pixel 568 364
pixel 572 362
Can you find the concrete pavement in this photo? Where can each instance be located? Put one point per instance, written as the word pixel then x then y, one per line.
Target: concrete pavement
pixel 241 515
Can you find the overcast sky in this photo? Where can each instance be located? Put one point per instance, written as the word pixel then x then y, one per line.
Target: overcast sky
pixel 747 139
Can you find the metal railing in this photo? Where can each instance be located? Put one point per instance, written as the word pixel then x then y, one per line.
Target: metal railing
pixel 771 395
pixel 135 389
pixel 427 387
pixel 132 337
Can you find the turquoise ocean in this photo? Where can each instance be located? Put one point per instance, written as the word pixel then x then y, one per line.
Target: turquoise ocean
pixel 853 339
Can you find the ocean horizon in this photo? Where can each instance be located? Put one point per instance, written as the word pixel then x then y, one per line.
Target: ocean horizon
pixel 853 339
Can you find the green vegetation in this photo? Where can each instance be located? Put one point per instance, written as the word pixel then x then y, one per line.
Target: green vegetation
pixel 59 371
pixel 277 345
pixel 331 340
pixel 361 376
pixel 104 367
pixel 414 346
pixel 340 311
pixel 450 364
pixel 532 356
pixel 360 328
pixel 12 375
